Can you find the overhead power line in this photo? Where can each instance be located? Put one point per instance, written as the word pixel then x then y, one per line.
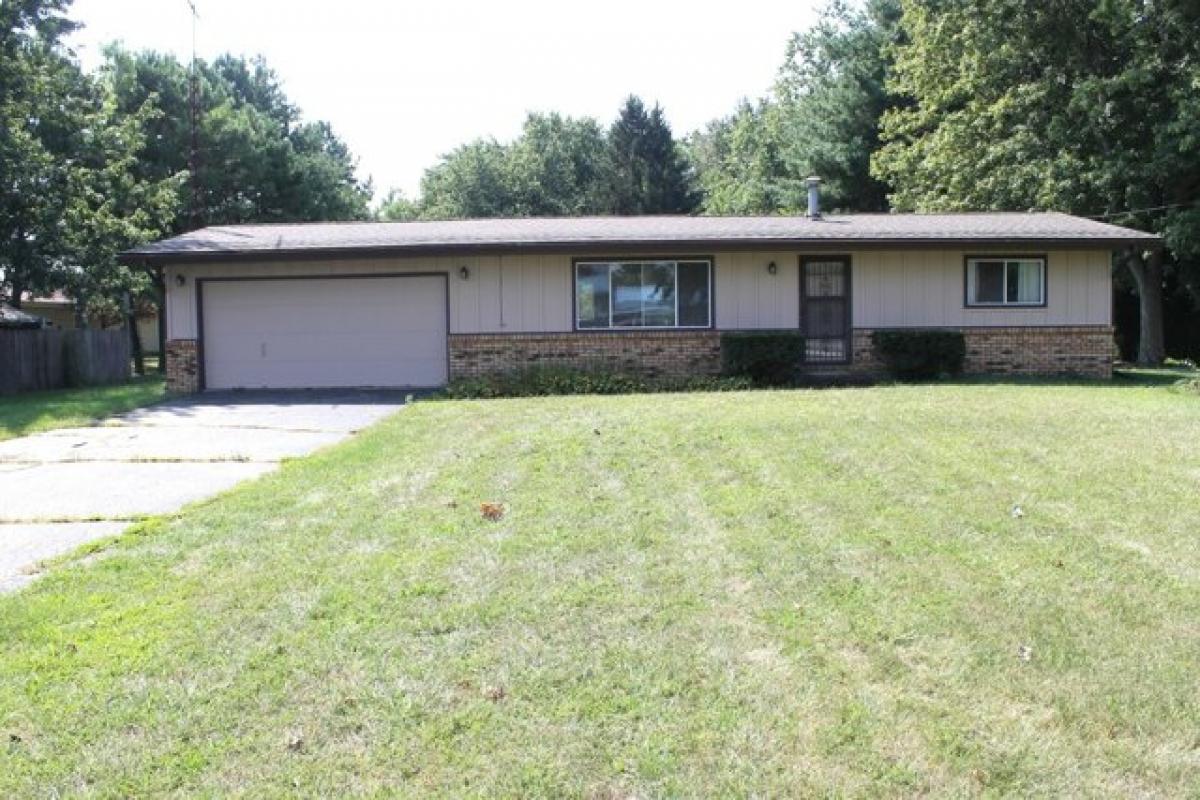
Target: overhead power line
pixel 1131 211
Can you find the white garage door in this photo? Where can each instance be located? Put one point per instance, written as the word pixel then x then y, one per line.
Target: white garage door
pixel 328 332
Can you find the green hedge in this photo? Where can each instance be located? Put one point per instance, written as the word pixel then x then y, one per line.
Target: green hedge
pixel 769 358
pixel 921 354
pixel 543 381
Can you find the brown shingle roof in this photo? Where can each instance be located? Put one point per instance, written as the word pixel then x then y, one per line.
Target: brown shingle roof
pixel 599 233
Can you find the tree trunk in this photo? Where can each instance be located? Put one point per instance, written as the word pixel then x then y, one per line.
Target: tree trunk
pixel 13 272
pixel 18 289
pixel 1147 270
pixel 160 306
pixel 162 335
pixel 135 342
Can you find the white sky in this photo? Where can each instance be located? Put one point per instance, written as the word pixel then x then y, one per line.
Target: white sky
pixel 403 82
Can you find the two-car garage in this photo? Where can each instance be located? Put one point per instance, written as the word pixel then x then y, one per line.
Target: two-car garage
pixel 347 331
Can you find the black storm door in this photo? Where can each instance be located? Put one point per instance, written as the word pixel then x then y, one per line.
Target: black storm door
pixel 825 308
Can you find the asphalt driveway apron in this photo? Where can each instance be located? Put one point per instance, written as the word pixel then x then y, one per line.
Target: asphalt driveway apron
pixel 62 488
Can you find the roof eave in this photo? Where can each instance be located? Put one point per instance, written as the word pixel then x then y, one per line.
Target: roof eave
pixel 163 258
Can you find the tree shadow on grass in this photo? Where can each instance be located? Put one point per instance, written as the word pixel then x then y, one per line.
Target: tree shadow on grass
pixel 1125 376
pixel 32 412
pixel 1155 376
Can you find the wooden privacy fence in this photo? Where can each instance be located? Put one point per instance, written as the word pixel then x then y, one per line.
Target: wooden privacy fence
pixel 31 360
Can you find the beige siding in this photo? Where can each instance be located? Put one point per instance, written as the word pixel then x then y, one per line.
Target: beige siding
pixel 910 288
pixel 59 315
pixel 148 334
pixel 501 294
pixel 532 293
pixel 536 295
pixel 62 315
pixel 747 295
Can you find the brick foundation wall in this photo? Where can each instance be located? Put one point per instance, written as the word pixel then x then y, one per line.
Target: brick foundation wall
pixel 183 366
pixel 1085 350
pixel 647 353
pixel 1079 350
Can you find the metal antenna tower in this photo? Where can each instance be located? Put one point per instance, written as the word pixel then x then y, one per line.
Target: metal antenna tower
pixel 194 119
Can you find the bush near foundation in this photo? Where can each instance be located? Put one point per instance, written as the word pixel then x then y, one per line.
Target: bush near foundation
pixel 545 381
pixel 920 354
pixel 769 358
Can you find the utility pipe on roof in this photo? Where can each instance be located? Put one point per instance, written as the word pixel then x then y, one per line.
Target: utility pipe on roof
pixel 814 197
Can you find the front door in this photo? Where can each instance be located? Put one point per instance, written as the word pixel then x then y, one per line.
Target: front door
pixel 825 308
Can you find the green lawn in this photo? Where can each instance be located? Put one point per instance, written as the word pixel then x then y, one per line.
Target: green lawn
pixel 760 593
pixel 65 408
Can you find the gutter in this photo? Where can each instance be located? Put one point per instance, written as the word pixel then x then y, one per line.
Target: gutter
pixel 617 247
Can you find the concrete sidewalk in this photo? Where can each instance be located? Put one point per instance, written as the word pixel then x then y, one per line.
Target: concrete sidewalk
pixel 62 488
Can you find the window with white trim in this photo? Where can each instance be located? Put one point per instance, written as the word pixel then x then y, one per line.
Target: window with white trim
pixel 643 294
pixel 1006 281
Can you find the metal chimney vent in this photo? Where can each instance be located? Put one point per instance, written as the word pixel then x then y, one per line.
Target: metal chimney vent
pixel 814 197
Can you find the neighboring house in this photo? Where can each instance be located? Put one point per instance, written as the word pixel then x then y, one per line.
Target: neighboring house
pixel 58 309
pixel 16 319
pixel 414 304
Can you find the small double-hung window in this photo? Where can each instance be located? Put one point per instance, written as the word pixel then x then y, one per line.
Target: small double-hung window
pixel 1006 281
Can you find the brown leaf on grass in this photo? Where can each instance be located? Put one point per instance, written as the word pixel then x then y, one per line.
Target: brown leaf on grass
pixel 492 511
pixel 611 793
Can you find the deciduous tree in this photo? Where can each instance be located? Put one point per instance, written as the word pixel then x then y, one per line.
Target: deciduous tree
pixel 257 161
pixel 1074 105
pixel 72 198
pixel 564 166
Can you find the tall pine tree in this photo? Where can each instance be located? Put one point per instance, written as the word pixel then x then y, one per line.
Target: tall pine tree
pixel 646 172
pixel 822 118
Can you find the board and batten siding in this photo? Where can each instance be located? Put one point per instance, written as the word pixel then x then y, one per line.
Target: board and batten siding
pixel 533 293
pixel 925 288
pixel 503 294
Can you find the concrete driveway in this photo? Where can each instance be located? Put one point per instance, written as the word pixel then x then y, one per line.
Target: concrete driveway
pixel 62 488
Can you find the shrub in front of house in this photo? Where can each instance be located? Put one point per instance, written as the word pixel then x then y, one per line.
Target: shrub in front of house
pixel 545 381
pixel 769 358
pixel 918 354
